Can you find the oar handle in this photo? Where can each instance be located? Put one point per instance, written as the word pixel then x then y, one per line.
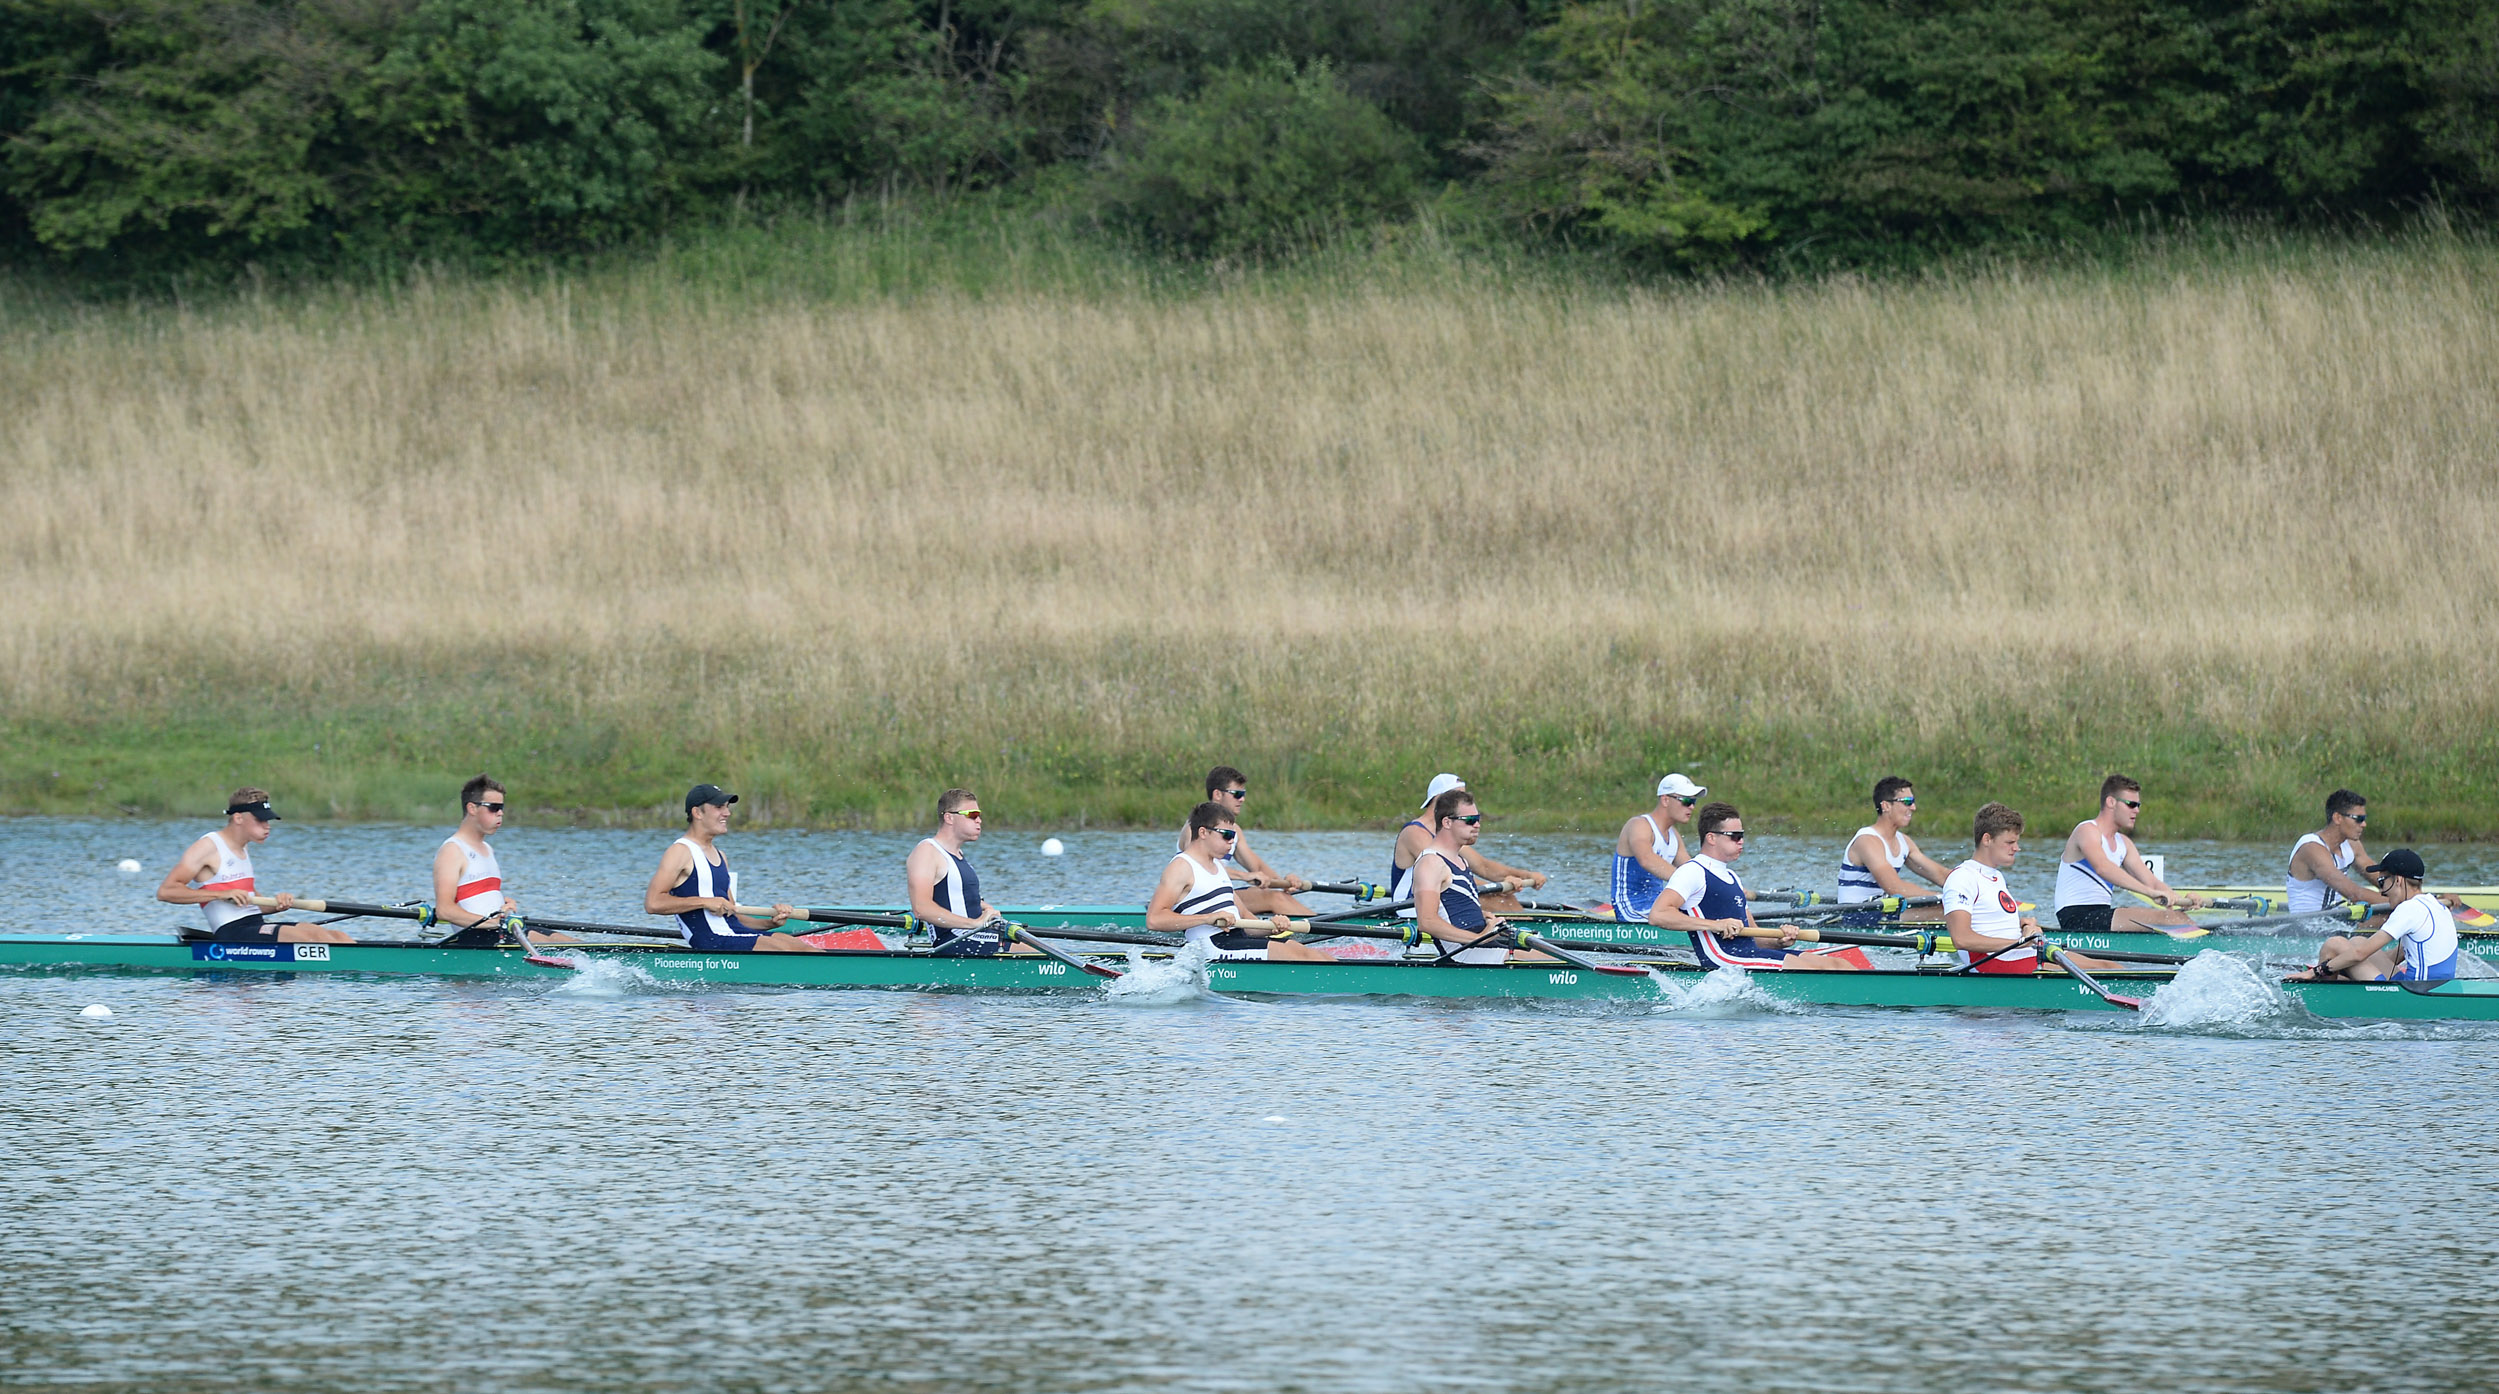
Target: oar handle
pixel 422 914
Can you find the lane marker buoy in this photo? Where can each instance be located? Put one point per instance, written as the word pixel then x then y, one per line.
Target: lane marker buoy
pixel 129 866
pixel 1052 847
pixel 96 1011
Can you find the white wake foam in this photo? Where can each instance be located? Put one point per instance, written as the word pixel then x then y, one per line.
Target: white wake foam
pixel 600 975
pixel 1723 988
pixel 2218 989
pixel 1160 981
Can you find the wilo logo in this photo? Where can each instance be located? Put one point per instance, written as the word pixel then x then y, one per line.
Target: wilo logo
pixel 1562 977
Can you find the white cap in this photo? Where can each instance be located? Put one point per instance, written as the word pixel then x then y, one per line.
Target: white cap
pixel 1680 787
pixel 1441 784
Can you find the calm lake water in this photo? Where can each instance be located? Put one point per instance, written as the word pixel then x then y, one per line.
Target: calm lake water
pixel 330 1184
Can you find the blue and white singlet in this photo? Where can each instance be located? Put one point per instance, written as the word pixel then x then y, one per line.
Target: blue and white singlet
pixel 702 929
pixel 1463 906
pixel 1635 886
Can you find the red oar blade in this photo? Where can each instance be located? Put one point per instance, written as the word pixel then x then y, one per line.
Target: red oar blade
pixel 545 962
pixel 1099 971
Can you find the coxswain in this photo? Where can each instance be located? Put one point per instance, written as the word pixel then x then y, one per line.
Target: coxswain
pixel 1269 892
pixel 1651 846
pixel 694 884
pixel 468 881
pixel 1990 934
pixel 2321 861
pixel 1448 905
pixel 1707 900
pixel 1195 898
pixel 215 873
pixel 1416 835
pixel 2417 943
pixel 2100 859
pixel 945 890
pixel 1871 867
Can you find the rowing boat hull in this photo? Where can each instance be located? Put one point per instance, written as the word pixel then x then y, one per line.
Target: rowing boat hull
pixel 2297 942
pixel 2475 1000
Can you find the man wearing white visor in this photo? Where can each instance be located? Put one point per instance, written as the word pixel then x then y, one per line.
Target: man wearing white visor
pixel 1499 882
pixel 1651 846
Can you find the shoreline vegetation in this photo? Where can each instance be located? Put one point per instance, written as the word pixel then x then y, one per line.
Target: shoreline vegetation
pixel 840 514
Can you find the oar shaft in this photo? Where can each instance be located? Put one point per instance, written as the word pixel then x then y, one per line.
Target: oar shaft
pixel 1026 937
pixel 1942 944
pixel 347 907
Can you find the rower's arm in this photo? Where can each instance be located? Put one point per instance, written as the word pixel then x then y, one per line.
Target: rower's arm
pixel 1495 871
pixel 2320 867
pixel 1644 852
pixel 1257 866
pixel 1924 866
pixel 922 870
pixel 448 864
pixel 660 897
pixel 195 862
pixel 1430 879
pixel 2120 875
pixel 1159 914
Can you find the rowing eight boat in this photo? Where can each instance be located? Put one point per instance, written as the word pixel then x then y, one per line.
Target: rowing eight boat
pixel 2469 1000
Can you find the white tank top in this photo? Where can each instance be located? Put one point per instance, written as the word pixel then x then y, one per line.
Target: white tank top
pixel 2078 884
pixel 708 883
pixel 1463 881
pixel 2313 895
pixel 234 873
pixel 1665 846
pixel 480 887
pixel 1857 884
pixel 1210 892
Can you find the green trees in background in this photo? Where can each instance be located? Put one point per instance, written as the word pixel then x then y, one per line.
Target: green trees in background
pixel 170 134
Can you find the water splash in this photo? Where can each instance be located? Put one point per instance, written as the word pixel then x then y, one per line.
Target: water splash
pixel 2215 989
pixel 1159 982
pixel 602 975
pixel 1722 989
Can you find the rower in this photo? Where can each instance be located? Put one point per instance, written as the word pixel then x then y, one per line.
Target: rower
pixel 215 873
pixel 2318 878
pixel 2416 944
pixel 945 890
pixel 1416 835
pixel 1990 934
pixel 468 881
pixel 1707 900
pixel 1871 867
pixel 1447 903
pixel 1269 892
pixel 1195 897
pixel 694 884
pixel 1651 846
pixel 2101 859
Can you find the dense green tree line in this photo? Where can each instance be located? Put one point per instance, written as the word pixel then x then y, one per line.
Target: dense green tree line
pixel 138 135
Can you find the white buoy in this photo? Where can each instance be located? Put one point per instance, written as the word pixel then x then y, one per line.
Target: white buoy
pixel 1052 847
pixel 129 866
pixel 96 1011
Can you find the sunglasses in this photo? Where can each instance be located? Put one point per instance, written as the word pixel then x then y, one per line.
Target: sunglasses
pixel 491 807
pixel 1227 834
pixel 1687 803
pixel 1234 793
pixel 972 813
pixel 2357 817
pixel 1470 819
pixel 1735 836
pixel 2132 803
pixel 1909 802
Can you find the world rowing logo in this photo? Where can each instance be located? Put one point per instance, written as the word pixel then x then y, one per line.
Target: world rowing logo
pixel 2005 899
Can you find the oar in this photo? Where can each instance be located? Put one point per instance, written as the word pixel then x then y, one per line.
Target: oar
pixel 422 914
pixel 1518 938
pixel 1886 905
pixel 547 925
pixel 1942 944
pixel 1022 935
pixel 2354 911
pixel 1360 890
pixel 2063 958
pixel 1543 945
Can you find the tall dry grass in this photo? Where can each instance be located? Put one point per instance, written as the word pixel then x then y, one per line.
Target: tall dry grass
pixel 1356 528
